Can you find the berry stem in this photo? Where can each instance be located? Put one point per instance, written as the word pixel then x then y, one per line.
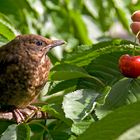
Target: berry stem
pixel 135 42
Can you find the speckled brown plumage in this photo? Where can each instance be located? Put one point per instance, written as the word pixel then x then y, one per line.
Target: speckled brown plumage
pixel 24 68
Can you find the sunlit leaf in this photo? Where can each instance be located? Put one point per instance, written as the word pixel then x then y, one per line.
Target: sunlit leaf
pixel 15 132
pixel 77 105
pixel 9 133
pixel 6 31
pixel 79 127
pixel 79 27
pixel 131 134
pixel 4 125
pixel 82 58
pixel 121 12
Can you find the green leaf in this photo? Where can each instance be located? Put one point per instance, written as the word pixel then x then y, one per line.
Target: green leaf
pixel 114 124
pixel 37 136
pixel 9 133
pixel 62 85
pixel 55 113
pixel 101 61
pixel 80 29
pixel 77 105
pixel 16 132
pixel 6 31
pixel 58 130
pixel 122 13
pixel 23 132
pixel 105 67
pixel 105 16
pixel 131 134
pixel 79 127
pixel 83 58
pixel 4 125
pixel 67 72
pixel 38 129
pixel 123 92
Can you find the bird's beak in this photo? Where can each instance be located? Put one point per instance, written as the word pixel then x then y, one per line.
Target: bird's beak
pixel 55 43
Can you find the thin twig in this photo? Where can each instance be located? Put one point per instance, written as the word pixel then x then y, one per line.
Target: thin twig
pixel 137 35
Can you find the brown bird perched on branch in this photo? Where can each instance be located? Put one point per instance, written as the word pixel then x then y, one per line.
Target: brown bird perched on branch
pixel 24 69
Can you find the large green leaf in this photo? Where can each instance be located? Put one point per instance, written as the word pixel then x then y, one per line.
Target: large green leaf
pixel 82 58
pixel 62 85
pixel 67 72
pixel 78 104
pixel 114 124
pixel 101 61
pixel 105 67
pixel 123 92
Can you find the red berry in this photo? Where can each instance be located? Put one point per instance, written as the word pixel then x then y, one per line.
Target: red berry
pixel 130 66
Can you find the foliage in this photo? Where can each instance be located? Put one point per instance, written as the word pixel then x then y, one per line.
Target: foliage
pixel 87 96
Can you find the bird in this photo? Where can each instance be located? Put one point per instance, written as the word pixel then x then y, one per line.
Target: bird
pixel 24 70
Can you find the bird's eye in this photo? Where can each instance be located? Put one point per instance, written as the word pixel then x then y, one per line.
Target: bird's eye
pixel 38 43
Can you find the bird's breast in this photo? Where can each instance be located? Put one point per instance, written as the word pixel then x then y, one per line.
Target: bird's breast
pixel 22 82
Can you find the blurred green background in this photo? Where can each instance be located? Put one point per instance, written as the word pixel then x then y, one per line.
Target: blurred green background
pixel 75 21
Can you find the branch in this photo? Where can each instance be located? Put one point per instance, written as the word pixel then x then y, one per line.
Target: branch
pixel 26 114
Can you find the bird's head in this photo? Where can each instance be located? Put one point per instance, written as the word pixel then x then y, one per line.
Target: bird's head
pixel 36 44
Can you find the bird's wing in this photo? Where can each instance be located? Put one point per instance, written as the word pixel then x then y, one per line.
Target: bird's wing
pixel 6 59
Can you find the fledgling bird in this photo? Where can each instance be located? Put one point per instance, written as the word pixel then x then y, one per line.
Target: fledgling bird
pixel 24 69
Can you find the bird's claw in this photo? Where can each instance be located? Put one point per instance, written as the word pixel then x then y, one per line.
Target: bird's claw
pixel 24 115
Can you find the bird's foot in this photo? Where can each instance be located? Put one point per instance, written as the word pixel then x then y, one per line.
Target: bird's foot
pixel 24 115
pixel 19 117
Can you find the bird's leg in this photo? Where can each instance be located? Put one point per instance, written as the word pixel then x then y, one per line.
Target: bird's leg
pixel 23 115
pixel 16 113
pixel 32 111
